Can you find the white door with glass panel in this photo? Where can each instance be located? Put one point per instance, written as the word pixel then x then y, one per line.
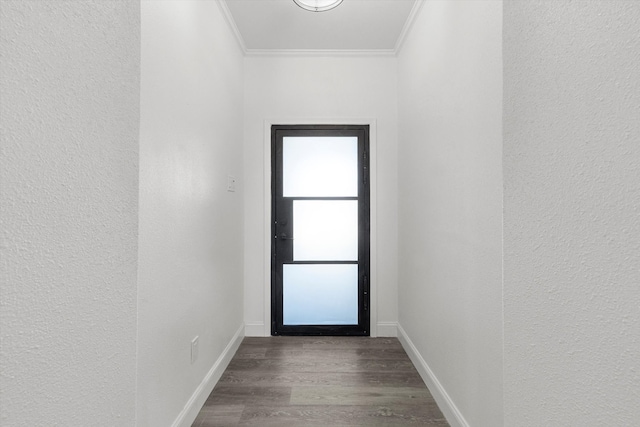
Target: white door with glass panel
pixel 320 230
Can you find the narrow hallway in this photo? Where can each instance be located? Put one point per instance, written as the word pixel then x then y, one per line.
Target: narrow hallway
pixel 320 381
pixel 136 217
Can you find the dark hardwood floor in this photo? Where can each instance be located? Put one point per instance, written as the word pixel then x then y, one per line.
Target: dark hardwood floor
pixel 320 381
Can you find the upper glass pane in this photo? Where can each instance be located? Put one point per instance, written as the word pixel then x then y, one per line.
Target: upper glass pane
pixel 320 166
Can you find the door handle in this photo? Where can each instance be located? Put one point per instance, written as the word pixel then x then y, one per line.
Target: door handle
pixel 282 236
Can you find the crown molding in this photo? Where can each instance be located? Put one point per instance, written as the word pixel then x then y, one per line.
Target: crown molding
pixel 417 5
pixel 320 52
pixel 232 25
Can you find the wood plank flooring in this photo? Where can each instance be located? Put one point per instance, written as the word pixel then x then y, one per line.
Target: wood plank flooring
pixel 320 381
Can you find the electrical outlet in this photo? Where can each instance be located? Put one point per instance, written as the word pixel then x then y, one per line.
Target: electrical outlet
pixel 194 349
pixel 231 183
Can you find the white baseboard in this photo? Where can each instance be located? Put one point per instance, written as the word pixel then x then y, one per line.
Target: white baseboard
pixel 387 329
pixel 255 329
pixel 446 405
pixel 193 406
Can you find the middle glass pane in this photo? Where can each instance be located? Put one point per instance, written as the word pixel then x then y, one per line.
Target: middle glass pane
pixel 325 230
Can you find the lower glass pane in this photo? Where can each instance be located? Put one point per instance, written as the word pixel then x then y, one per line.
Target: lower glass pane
pixel 320 294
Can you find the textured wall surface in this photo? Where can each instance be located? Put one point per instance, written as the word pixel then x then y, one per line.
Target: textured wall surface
pixel 286 88
pixel 572 213
pixel 190 274
pixel 450 200
pixel 68 212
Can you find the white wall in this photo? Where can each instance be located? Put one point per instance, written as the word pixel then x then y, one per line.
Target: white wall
pixel 190 275
pixel 312 89
pixel 450 205
pixel 69 104
pixel 572 213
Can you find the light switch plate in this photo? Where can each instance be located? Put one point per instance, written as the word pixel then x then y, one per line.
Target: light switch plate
pixel 231 183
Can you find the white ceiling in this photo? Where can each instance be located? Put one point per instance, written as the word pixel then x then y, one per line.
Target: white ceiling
pixel 354 25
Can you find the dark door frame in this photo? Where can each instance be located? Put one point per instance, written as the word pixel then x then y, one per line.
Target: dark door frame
pixel 364 235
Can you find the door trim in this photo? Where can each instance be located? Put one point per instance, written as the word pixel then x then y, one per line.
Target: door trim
pixel 265 328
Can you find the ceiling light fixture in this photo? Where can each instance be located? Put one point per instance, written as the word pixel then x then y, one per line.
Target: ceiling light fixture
pixel 318 5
